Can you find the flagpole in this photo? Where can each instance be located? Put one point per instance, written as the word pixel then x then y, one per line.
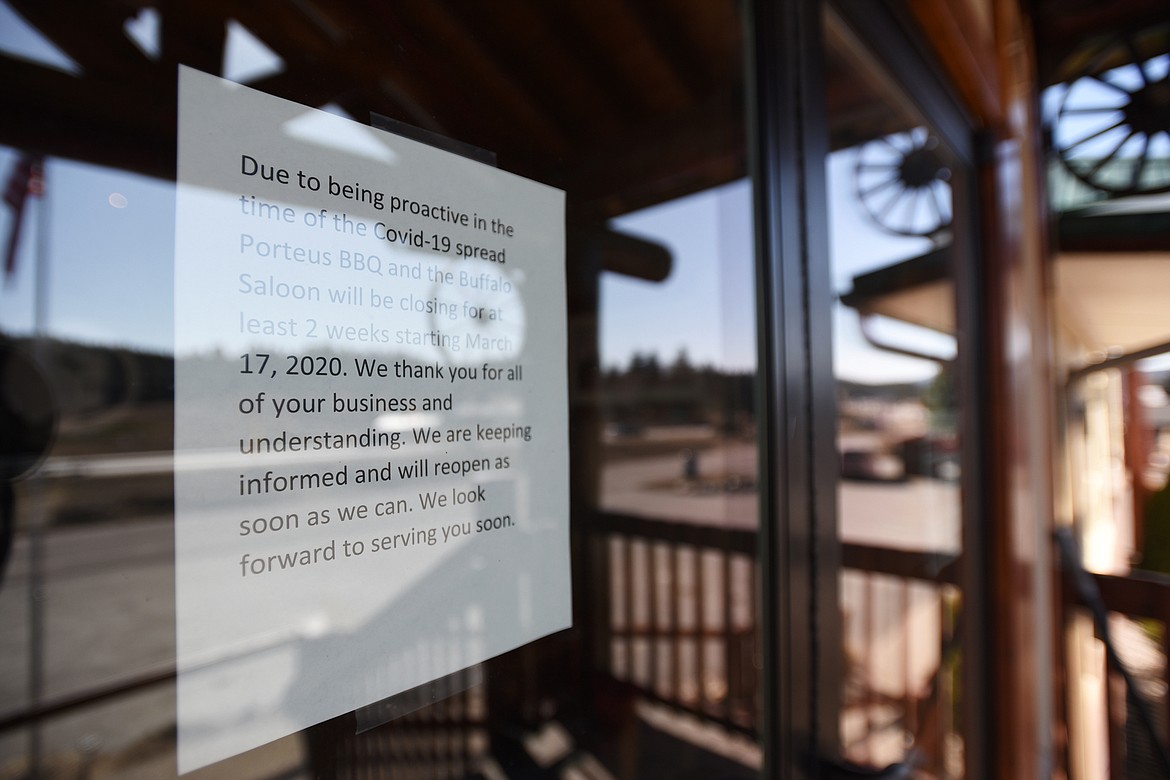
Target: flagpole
pixel 37 505
pixel 41 257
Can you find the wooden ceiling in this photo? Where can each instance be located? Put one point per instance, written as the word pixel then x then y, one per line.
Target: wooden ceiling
pixel 623 103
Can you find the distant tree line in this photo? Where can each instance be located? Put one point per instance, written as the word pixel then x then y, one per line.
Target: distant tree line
pixel 650 391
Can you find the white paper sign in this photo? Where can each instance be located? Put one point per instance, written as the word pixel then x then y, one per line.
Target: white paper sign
pixel 371 457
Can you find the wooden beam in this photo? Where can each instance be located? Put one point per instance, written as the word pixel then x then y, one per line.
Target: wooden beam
pixel 675 156
pixel 662 31
pixel 714 34
pixel 639 68
pixel 534 51
pixel 194 36
pixel 483 79
pixel 86 119
pixel 967 53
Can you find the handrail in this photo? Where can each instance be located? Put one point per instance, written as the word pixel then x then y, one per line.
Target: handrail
pixel 85 698
pixel 908 564
pixel 1137 594
pixel 1117 361
pixel 738 540
pixel 1090 595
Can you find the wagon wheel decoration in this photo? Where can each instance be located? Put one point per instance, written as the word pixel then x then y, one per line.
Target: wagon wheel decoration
pixel 1112 129
pixel 903 184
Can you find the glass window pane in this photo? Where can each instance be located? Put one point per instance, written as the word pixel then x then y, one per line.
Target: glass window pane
pixel 633 109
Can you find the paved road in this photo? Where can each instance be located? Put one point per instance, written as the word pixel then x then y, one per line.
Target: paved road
pixel 919 514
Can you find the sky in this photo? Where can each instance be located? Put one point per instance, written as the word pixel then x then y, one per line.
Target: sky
pixel 706 305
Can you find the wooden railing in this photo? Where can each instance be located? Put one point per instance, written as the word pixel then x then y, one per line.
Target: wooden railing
pixel 681 628
pixel 679 615
pixel 1145 598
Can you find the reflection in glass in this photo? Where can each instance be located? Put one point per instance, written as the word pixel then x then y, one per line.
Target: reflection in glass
pixel 894 350
pixel 679 481
pixel 1109 121
pixel 624 110
pixel 678 359
pixel 901 181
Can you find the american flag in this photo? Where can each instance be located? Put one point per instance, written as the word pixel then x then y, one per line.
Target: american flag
pixel 27 179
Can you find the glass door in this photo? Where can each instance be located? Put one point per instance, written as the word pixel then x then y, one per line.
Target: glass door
pixel 332 454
